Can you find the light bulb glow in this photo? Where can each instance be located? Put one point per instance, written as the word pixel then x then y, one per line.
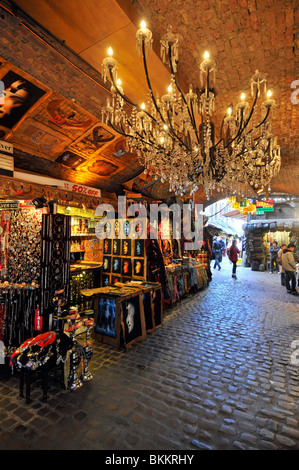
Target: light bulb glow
pixel 229 111
pixel 243 96
pixel 269 94
pixel 142 106
pixel 143 24
pixel 110 51
pixel 118 81
pixel 206 55
pixel 169 89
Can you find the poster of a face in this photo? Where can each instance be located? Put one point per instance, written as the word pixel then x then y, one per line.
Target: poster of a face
pixel 131 319
pixel 126 247
pixel 116 265
pixel 138 267
pixel 107 246
pixel 17 96
pixel 106 264
pixel 116 247
pixel 126 267
pixel 139 248
pixel 106 280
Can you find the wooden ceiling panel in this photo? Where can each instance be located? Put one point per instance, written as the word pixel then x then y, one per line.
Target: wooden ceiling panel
pixel 80 24
pixel 130 64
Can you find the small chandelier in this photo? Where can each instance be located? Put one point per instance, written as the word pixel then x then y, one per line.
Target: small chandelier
pixel 173 147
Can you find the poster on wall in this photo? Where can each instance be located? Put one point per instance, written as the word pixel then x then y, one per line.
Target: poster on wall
pixel 18 95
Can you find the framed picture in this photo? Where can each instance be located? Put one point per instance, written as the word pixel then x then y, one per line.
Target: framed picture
pixel 116 265
pixel 18 94
pixel 138 267
pixel 105 280
pixel 106 317
pixel 126 247
pixel 126 268
pixel 107 246
pixel 106 264
pixel 116 247
pixel 139 248
pixel 115 279
pixel 131 319
pixel 126 228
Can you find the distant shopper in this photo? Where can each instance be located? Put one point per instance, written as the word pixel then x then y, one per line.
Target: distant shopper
pixel 279 261
pixel 233 253
pixel 217 253
pixel 274 249
pixel 289 266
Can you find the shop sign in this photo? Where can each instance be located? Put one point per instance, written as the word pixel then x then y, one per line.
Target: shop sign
pixel 264 206
pixel 81 189
pixel 9 205
pixel 6 158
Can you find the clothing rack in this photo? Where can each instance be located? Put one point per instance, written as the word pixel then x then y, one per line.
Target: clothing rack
pixel 17 308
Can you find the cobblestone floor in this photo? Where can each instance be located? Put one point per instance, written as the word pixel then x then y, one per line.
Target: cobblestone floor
pixel 219 374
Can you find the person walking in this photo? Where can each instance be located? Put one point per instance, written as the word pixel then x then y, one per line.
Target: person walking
pixel 289 266
pixel 233 253
pixel 217 253
pixel 274 249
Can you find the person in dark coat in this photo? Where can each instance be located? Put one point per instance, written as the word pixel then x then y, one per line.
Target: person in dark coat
pixel 274 249
pixel 217 253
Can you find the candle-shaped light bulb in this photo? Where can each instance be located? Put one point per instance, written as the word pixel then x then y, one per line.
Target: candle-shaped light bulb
pixel 142 106
pixel 169 89
pixel 206 55
pixel 143 24
pixel 118 81
pixel 110 51
pixel 269 94
pixel 229 111
pixel 243 96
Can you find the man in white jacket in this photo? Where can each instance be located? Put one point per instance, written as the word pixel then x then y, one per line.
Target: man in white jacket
pixel 289 266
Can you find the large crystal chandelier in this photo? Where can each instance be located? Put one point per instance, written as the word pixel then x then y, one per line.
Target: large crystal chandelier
pixel 170 143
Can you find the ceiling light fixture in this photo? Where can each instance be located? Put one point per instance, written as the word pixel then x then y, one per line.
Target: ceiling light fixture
pixel 173 147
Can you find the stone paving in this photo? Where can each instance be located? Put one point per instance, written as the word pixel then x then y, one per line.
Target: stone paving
pixel 220 374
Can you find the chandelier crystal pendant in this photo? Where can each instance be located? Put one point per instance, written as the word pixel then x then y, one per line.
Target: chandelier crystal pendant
pixel 172 146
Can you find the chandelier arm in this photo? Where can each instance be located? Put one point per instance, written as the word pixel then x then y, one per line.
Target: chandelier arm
pixel 149 84
pixel 127 99
pixel 173 132
pixel 251 112
pixel 180 91
pixel 262 122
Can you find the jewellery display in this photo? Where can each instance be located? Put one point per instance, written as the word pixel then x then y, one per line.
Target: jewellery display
pixel 24 250
pixel 17 304
pixel 55 263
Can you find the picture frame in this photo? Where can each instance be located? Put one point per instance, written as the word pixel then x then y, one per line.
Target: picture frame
pixel 116 265
pixel 126 247
pixel 20 94
pixel 107 246
pixel 106 316
pixel 139 248
pixel 106 264
pixel 138 267
pixel 126 268
pixel 116 246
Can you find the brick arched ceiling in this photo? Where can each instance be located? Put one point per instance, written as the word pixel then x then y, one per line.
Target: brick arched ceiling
pixel 241 35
